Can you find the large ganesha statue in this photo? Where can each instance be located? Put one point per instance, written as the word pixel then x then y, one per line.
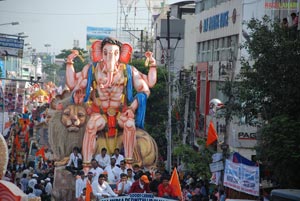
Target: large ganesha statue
pixel 115 115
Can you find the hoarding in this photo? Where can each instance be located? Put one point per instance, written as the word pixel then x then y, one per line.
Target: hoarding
pixel 97 33
pixel 11 46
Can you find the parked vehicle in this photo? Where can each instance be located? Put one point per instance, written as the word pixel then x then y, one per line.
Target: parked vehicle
pixel 285 195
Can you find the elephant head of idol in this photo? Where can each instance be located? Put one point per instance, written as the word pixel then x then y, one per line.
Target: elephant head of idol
pixel 110 52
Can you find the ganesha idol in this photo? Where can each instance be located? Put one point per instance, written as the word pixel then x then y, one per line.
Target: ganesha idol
pixel 109 83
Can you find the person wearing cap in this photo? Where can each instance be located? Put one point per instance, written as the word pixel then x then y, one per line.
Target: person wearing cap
pixel 79 185
pixel 101 189
pixel 48 188
pixel 33 181
pixel 140 186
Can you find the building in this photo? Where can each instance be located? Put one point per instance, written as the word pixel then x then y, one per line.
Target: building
pixel 205 37
pixel 220 33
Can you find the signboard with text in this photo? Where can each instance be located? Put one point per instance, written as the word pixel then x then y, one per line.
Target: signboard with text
pixel 242 177
pixel 97 33
pixel 136 197
pixel 11 47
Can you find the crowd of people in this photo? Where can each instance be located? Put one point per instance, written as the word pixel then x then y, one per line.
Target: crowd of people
pixel 35 181
pixel 110 176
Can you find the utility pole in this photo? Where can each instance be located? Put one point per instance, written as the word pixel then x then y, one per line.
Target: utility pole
pixel 140 39
pixel 169 127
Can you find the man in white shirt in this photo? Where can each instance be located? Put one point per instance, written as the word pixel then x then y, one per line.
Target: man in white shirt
pixel 113 172
pixel 95 169
pixel 130 175
pixel 103 159
pixel 48 187
pixel 119 157
pixel 121 170
pixel 75 161
pixel 101 189
pixel 124 185
pixel 79 185
pixel 33 181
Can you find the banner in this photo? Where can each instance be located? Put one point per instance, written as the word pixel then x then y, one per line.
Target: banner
pixel 242 177
pixel 97 33
pixel 11 47
pixel 135 197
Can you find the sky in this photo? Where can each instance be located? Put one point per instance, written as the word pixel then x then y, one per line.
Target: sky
pixel 59 22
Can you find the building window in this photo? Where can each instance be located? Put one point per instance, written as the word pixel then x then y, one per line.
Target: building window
pixel 220 49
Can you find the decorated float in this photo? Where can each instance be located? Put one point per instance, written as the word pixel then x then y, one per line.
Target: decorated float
pixel 103 106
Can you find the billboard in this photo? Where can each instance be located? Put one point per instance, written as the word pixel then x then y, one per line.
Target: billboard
pixel 97 33
pixel 11 46
pixel 242 177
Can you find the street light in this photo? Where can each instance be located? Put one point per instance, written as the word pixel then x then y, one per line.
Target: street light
pixel 47 45
pixel 10 23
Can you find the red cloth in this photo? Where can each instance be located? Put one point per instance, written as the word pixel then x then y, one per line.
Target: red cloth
pixel 135 188
pixel 165 190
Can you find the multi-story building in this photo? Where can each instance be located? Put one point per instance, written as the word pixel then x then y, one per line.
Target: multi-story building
pixel 210 42
pixel 221 31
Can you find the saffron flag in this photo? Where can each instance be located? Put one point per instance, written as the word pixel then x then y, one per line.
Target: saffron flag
pixel 175 183
pixel 88 191
pixel 41 152
pixel 212 135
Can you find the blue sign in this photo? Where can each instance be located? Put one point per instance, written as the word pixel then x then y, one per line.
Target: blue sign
pixel 2 70
pixel 216 22
pixel 11 47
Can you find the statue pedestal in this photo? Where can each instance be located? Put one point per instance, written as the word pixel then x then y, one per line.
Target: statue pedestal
pixel 63 185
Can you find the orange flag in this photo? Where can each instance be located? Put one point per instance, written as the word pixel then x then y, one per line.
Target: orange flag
pixel 41 152
pixel 88 191
pixel 212 135
pixel 175 183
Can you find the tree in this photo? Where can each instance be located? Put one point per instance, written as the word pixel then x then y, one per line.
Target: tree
pixel 156 111
pixel 79 62
pixel 195 161
pixel 270 87
pixel 52 70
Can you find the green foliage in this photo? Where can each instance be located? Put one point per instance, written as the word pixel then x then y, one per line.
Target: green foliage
pixel 49 70
pixel 156 111
pixel 271 87
pixel 280 145
pixel 78 63
pixel 197 162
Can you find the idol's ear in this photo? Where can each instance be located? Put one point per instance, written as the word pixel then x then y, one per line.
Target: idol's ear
pixel 126 51
pixel 96 53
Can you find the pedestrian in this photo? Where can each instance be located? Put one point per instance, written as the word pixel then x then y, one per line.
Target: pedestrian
pixel 101 188
pixel 75 161
pixel 141 185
